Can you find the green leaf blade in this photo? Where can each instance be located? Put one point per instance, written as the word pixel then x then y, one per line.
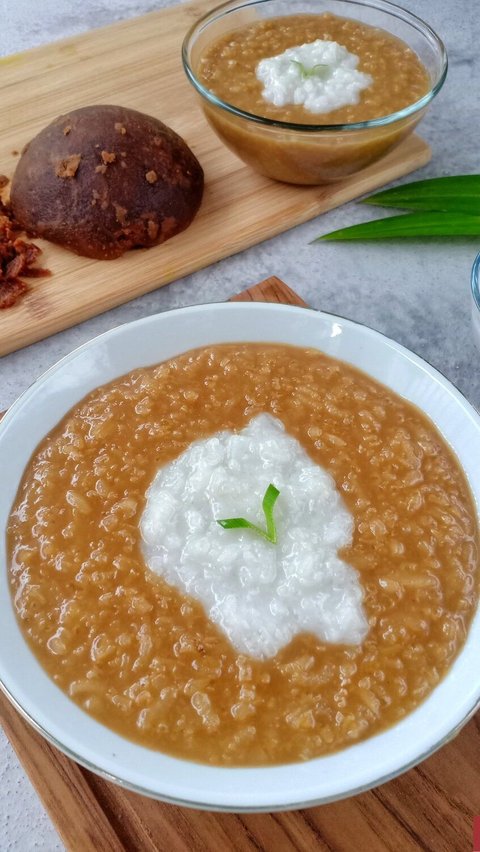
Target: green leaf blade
pixel 269 500
pixel 425 224
pixel 459 193
pixel 315 71
pixel 234 523
pixel 268 503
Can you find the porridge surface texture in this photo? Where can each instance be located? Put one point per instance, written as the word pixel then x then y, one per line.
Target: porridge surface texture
pixel 143 657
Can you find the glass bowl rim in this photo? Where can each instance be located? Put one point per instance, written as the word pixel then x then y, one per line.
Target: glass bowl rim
pixel 475 281
pixel 392 9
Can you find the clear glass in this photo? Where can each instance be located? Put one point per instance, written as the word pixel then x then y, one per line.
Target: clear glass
pixel 476 300
pixel 312 153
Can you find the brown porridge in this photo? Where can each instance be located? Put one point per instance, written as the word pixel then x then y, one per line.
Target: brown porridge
pixel 399 78
pixel 144 659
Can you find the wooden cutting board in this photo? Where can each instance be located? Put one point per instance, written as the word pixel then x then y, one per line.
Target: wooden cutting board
pixel 137 64
pixel 429 808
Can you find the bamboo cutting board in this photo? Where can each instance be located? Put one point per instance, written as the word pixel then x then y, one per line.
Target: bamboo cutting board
pixel 137 64
pixel 429 809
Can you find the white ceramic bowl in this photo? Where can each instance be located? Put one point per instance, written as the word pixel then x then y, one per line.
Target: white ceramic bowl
pixel 321 780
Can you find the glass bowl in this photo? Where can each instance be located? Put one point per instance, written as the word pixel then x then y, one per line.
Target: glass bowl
pixel 476 300
pixel 316 153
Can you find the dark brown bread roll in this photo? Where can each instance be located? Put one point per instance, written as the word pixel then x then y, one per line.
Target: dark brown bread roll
pixel 105 179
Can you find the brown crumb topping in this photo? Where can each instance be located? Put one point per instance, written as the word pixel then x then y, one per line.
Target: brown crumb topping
pixel 169 227
pixel 67 129
pixel 68 167
pixel 120 214
pixel 123 164
pixel 152 228
pixel 108 157
pixel 151 176
pixel 120 128
pixel 101 169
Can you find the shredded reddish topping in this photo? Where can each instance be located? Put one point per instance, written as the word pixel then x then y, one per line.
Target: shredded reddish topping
pixel 17 257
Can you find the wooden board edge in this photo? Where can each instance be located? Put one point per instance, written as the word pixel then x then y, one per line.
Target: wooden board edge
pixel 271 289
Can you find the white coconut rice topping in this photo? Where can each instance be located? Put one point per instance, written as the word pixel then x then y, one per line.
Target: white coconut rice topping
pixel 260 594
pixel 320 76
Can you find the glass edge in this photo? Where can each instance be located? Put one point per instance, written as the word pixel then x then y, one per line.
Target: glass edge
pixel 475 281
pixel 406 112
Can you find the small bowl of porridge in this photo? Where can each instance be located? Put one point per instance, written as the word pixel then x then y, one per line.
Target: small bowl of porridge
pixel 315 95
pixel 239 549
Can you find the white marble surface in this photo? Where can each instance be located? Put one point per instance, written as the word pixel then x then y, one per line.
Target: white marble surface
pixel 417 293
